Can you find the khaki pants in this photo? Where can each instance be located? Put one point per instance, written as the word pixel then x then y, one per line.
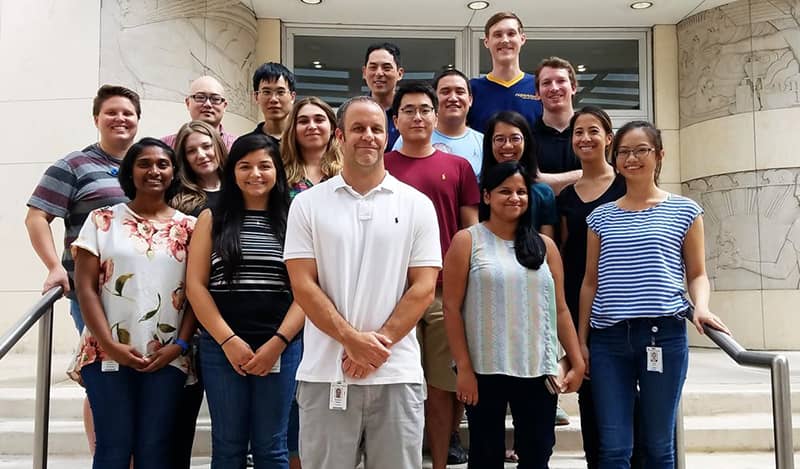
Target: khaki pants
pixel 389 418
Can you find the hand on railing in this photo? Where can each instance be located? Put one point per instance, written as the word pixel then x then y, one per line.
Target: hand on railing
pixel 707 318
pixel 56 277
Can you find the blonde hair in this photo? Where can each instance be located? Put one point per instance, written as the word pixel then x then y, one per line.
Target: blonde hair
pixel 191 196
pixel 290 152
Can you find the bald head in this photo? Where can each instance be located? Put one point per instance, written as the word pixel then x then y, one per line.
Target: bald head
pixel 202 92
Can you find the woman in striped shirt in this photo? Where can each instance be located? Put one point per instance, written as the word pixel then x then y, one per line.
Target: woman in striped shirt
pixel 639 250
pixel 239 289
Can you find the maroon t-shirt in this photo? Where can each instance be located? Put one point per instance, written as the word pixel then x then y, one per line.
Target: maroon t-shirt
pixel 448 180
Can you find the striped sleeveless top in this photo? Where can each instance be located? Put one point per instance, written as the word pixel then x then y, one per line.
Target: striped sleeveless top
pixel 255 302
pixel 640 270
pixel 509 311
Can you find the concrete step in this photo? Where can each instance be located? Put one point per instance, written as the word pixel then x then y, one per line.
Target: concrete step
pixel 708 400
pixel 725 432
pixel 67 437
pixel 717 420
pixel 735 432
pixel 560 460
pixel 66 401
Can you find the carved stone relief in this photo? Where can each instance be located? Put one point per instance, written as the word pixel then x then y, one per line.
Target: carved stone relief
pixel 739 57
pixel 158 47
pixel 752 228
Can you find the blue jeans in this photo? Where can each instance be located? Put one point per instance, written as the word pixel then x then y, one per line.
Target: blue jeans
pixel 188 408
pixel 75 312
pixel 133 415
pixel 618 361
pixel 248 409
pixel 293 434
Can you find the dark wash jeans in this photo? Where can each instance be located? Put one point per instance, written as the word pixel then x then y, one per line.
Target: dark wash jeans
pixel 248 409
pixel 186 413
pixel 134 413
pixel 618 361
pixel 533 409
pixel 590 435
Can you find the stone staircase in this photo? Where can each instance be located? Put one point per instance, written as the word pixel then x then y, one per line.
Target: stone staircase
pixel 719 417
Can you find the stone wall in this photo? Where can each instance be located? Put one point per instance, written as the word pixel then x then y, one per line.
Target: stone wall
pixel 55 54
pixel 739 81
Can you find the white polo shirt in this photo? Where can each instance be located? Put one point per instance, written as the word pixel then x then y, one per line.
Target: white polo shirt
pixel 363 246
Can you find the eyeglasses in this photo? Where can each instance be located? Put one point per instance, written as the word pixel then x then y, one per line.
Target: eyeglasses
pixel 201 98
pixel 268 93
pixel 639 153
pixel 411 111
pixel 500 140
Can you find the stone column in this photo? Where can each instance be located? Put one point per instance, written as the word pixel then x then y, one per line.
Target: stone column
pixel 665 86
pixel 739 134
pixel 159 47
pixel 55 54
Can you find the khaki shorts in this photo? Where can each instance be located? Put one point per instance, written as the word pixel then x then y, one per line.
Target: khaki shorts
pixel 437 361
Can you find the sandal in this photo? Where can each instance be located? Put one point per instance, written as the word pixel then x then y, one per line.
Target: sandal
pixel 511 456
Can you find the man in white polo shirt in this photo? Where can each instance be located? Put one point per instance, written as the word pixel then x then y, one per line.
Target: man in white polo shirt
pixel 362 251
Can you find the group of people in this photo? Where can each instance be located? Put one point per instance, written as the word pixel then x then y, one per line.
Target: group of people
pixel 336 283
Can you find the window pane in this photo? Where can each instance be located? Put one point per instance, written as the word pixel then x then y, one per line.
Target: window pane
pixel 337 75
pixel 611 76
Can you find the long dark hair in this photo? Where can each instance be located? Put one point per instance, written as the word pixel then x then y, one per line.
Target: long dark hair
pixel 227 225
pixel 528 244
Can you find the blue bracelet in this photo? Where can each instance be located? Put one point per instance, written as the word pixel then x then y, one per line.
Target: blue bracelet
pixel 184 346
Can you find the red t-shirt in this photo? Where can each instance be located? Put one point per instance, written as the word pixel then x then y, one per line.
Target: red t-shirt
pixel 448 180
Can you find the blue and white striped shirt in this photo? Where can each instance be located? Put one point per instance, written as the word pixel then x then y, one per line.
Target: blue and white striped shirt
pixel 641 270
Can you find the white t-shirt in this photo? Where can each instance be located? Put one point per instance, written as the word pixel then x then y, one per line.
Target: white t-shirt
pixel 363 247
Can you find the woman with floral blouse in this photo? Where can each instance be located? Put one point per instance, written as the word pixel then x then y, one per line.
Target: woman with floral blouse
pixel 130 269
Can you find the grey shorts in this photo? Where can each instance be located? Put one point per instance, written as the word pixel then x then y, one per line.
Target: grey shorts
pixel 388 417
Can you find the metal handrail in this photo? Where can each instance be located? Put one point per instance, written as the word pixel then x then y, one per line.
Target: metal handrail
pixel 776 363
pixel 781 394
pixel 41 311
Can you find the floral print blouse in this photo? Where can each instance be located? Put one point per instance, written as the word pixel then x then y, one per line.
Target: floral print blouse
pixel 300 186
pixel 142 272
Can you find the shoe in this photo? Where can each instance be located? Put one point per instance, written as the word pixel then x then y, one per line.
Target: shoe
pixel 561 417
pixel 511 456
pixel 456 454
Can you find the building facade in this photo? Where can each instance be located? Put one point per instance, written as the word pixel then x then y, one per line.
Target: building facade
pixel 723 84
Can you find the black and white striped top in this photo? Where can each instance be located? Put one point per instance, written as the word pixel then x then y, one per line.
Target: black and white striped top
pixel 255 302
